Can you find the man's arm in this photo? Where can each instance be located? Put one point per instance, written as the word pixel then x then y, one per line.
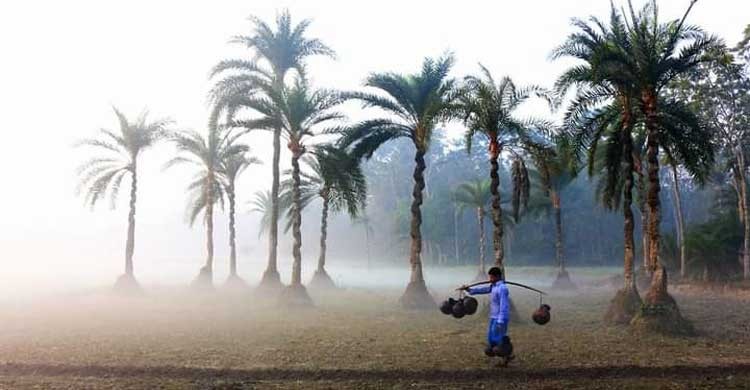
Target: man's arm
pixel 485 289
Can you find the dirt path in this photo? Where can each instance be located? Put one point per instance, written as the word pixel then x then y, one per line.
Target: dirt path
pixel 437 375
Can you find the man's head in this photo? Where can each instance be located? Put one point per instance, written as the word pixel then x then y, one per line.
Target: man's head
pixel 496 274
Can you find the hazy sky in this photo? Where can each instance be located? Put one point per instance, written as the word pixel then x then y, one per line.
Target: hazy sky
pixel 64 63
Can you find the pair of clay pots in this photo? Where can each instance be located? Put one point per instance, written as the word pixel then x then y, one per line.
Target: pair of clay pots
pixel 459 308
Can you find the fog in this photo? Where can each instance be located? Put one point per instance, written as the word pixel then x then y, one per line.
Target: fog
pixel 66 63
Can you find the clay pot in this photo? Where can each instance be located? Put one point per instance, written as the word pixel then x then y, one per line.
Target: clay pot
pixel 470 305
pixel 446 307
pixel 542 315
pixel 458 310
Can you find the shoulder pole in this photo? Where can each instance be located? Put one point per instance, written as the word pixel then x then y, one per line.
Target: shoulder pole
pixel 507 282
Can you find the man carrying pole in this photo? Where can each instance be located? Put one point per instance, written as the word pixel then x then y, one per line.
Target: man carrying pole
pixel 499 315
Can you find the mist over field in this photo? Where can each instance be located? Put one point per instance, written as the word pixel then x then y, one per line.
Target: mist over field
pixel 374 195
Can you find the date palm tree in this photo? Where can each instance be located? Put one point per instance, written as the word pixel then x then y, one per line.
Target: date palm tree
pixel 206 154
pixel 231 168
pixel 557 171
pixel 278 51
pixel 118 159
pixel 607 108
pixel 488 108
pixel 336 178
pixel 476 195
pixel 300 112
pixel 415 105
pixel 657 53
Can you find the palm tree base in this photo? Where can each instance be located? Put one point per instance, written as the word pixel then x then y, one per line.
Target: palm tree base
pixel 659 312
pixel 270 282
pixel 322 281
pixel 235 283
pixel 563 282
pixel 417 297
pixel 295 295
pixel 127 284
pixel 663 319
pixel 623 307
pixel 204 281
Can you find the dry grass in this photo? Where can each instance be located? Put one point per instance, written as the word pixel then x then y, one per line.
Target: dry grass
pixel 355 339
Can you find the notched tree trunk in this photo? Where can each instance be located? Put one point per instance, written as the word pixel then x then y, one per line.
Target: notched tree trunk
pixel 204 280
pixel 234 282
pixel 626 301
pixel 296 294
pixel 271 280
pixel 321 279
pixel 126 282
pixel 562 281
pixel 497 211
pixel 416 295
pixel 660 312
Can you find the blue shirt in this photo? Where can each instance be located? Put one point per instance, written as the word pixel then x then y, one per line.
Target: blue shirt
pixel 499 300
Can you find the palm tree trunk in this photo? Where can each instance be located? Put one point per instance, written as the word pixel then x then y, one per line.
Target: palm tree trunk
pixel 497 211
pixel 296 222
pixel 626 302
pixel 205 276
pixel 680 222
pixel 416 221
pixel 627 210
pixel 558 231
pixel 744 214
pixel 480 219
pixel 416 295
pixel 209 228
pixel 130 244
pixel 657 293
pixel 323 233
pixel 296 294
pixel 271 278
pixel 644 220
pixel 232 234
pixel 321 279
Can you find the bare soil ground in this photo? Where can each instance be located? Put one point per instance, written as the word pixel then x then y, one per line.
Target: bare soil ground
pixel 356 339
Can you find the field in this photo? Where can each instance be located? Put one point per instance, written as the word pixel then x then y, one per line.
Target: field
pixel 355 338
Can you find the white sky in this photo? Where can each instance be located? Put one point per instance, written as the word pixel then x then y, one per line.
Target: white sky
pixel 65 63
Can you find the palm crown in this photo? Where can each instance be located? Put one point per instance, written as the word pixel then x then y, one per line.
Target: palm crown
pixel 488 108
pixel 120 151
pixel 207 155
pixel 335 175
pixel 474 194
pixel 298 111
pixel 286 47
pixel 415 104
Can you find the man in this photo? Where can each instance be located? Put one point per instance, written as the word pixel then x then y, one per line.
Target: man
pixel 499 311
